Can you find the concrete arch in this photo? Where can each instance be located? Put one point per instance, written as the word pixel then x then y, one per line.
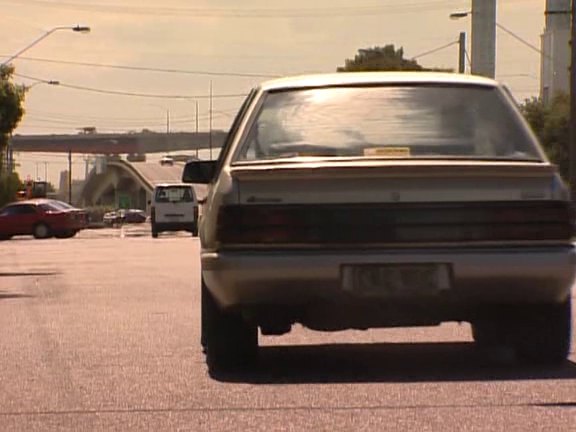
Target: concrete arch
pixel 132 183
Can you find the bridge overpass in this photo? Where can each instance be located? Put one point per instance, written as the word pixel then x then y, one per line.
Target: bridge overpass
pixel 113 144
pixel 120 183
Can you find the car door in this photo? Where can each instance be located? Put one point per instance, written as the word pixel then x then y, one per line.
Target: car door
pixel 18 219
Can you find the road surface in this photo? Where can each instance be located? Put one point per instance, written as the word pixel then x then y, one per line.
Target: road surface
pixel 100 332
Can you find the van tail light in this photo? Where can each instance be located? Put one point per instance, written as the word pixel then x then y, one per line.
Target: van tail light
pixel 409 223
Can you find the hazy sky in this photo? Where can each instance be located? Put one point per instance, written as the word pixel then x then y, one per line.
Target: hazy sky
pixel 223 36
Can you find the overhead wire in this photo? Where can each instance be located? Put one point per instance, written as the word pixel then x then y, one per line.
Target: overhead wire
pixel 136 94
pixel 245 13
pixel 149 69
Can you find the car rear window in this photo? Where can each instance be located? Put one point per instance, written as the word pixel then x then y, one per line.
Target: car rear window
pixel 408 121
pixel 174 194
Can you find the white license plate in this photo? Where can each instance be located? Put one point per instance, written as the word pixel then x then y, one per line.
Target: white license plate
pixel 386 280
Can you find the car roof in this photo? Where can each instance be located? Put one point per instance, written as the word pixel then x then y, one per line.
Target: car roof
pixel 369 78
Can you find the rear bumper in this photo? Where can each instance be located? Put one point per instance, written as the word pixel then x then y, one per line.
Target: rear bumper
pixel 174 226
pixel 479 275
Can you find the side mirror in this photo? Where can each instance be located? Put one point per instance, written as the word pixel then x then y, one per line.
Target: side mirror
pixel 199 172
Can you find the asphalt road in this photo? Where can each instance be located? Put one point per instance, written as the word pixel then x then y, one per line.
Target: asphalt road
pixel 100 332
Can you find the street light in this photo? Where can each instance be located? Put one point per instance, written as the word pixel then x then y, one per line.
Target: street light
pixel 49 82
pixel 458 15
pixel 9 153
pixel 483 36
pixel 76 28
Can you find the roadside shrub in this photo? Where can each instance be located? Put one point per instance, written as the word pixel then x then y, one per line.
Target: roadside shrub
pixel 9 185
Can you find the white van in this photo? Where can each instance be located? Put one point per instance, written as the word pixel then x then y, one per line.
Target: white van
pixel 174 207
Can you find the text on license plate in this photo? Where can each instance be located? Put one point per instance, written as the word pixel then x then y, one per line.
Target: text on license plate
pixel 396 279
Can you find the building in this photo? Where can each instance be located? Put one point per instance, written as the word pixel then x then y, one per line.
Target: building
pixel 555 63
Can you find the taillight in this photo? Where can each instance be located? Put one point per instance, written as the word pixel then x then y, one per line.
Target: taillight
pixel 397 223
pixel 255 224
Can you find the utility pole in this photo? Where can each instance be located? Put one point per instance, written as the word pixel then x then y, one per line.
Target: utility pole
pixel 462 53
pixel 484 38
pixel 572 150
pixel 210 130
pixel 70 176
pixel 196 114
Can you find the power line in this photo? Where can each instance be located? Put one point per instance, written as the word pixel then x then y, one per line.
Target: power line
pixel 135 94
pixel 518 38
pixel 432 51
pixel 150 69
pixel 245 13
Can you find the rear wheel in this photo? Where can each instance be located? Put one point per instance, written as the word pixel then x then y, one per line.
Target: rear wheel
pixel 537 333
pixel 230 341
pixel 541 334
pixel 66 234
pixel 41 231
pixel 194 230
pixel 154 231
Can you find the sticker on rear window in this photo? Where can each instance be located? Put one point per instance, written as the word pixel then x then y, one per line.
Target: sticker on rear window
pixel 392 152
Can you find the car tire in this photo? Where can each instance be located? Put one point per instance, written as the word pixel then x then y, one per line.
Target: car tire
pixel 41 231
pixel 194 230
pixel 537 333
pixel 231 342
pixel 154 231
pixel 541 334
pixel 66 234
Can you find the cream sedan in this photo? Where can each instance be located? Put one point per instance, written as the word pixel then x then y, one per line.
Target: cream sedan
pixel 366 200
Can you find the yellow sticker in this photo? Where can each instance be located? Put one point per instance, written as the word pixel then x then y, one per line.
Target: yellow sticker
pixel 392 152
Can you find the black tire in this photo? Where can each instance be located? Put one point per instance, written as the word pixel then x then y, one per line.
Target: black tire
pixel 231 342
pixel 537 333
pixel 154 231
pixel 41 231
pixel 541 334
pixel 488 333
pixel 65 234
pixel 194 230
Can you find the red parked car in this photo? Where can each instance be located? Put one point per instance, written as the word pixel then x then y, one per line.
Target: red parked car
pixel 41 218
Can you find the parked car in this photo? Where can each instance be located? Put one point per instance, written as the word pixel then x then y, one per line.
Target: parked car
pixel 132 216
pixel 42 218
pixel 355 201
pixel 111 218
pixel 124 216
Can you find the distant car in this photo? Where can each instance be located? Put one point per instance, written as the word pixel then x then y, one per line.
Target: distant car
pixel 41 218
pixel 167 160
pixel 132 216
pixel 122 216
pixel 111 218
pixel 366 200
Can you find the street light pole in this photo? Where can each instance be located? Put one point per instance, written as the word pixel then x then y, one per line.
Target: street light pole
pixel 77 28
pixel 572 149
pixel 462 53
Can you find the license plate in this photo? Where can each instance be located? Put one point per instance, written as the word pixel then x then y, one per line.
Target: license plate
pixel 389 280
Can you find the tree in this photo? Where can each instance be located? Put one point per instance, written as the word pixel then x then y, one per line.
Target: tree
pixel 386 58
pixel 11 112
pixel 551 125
